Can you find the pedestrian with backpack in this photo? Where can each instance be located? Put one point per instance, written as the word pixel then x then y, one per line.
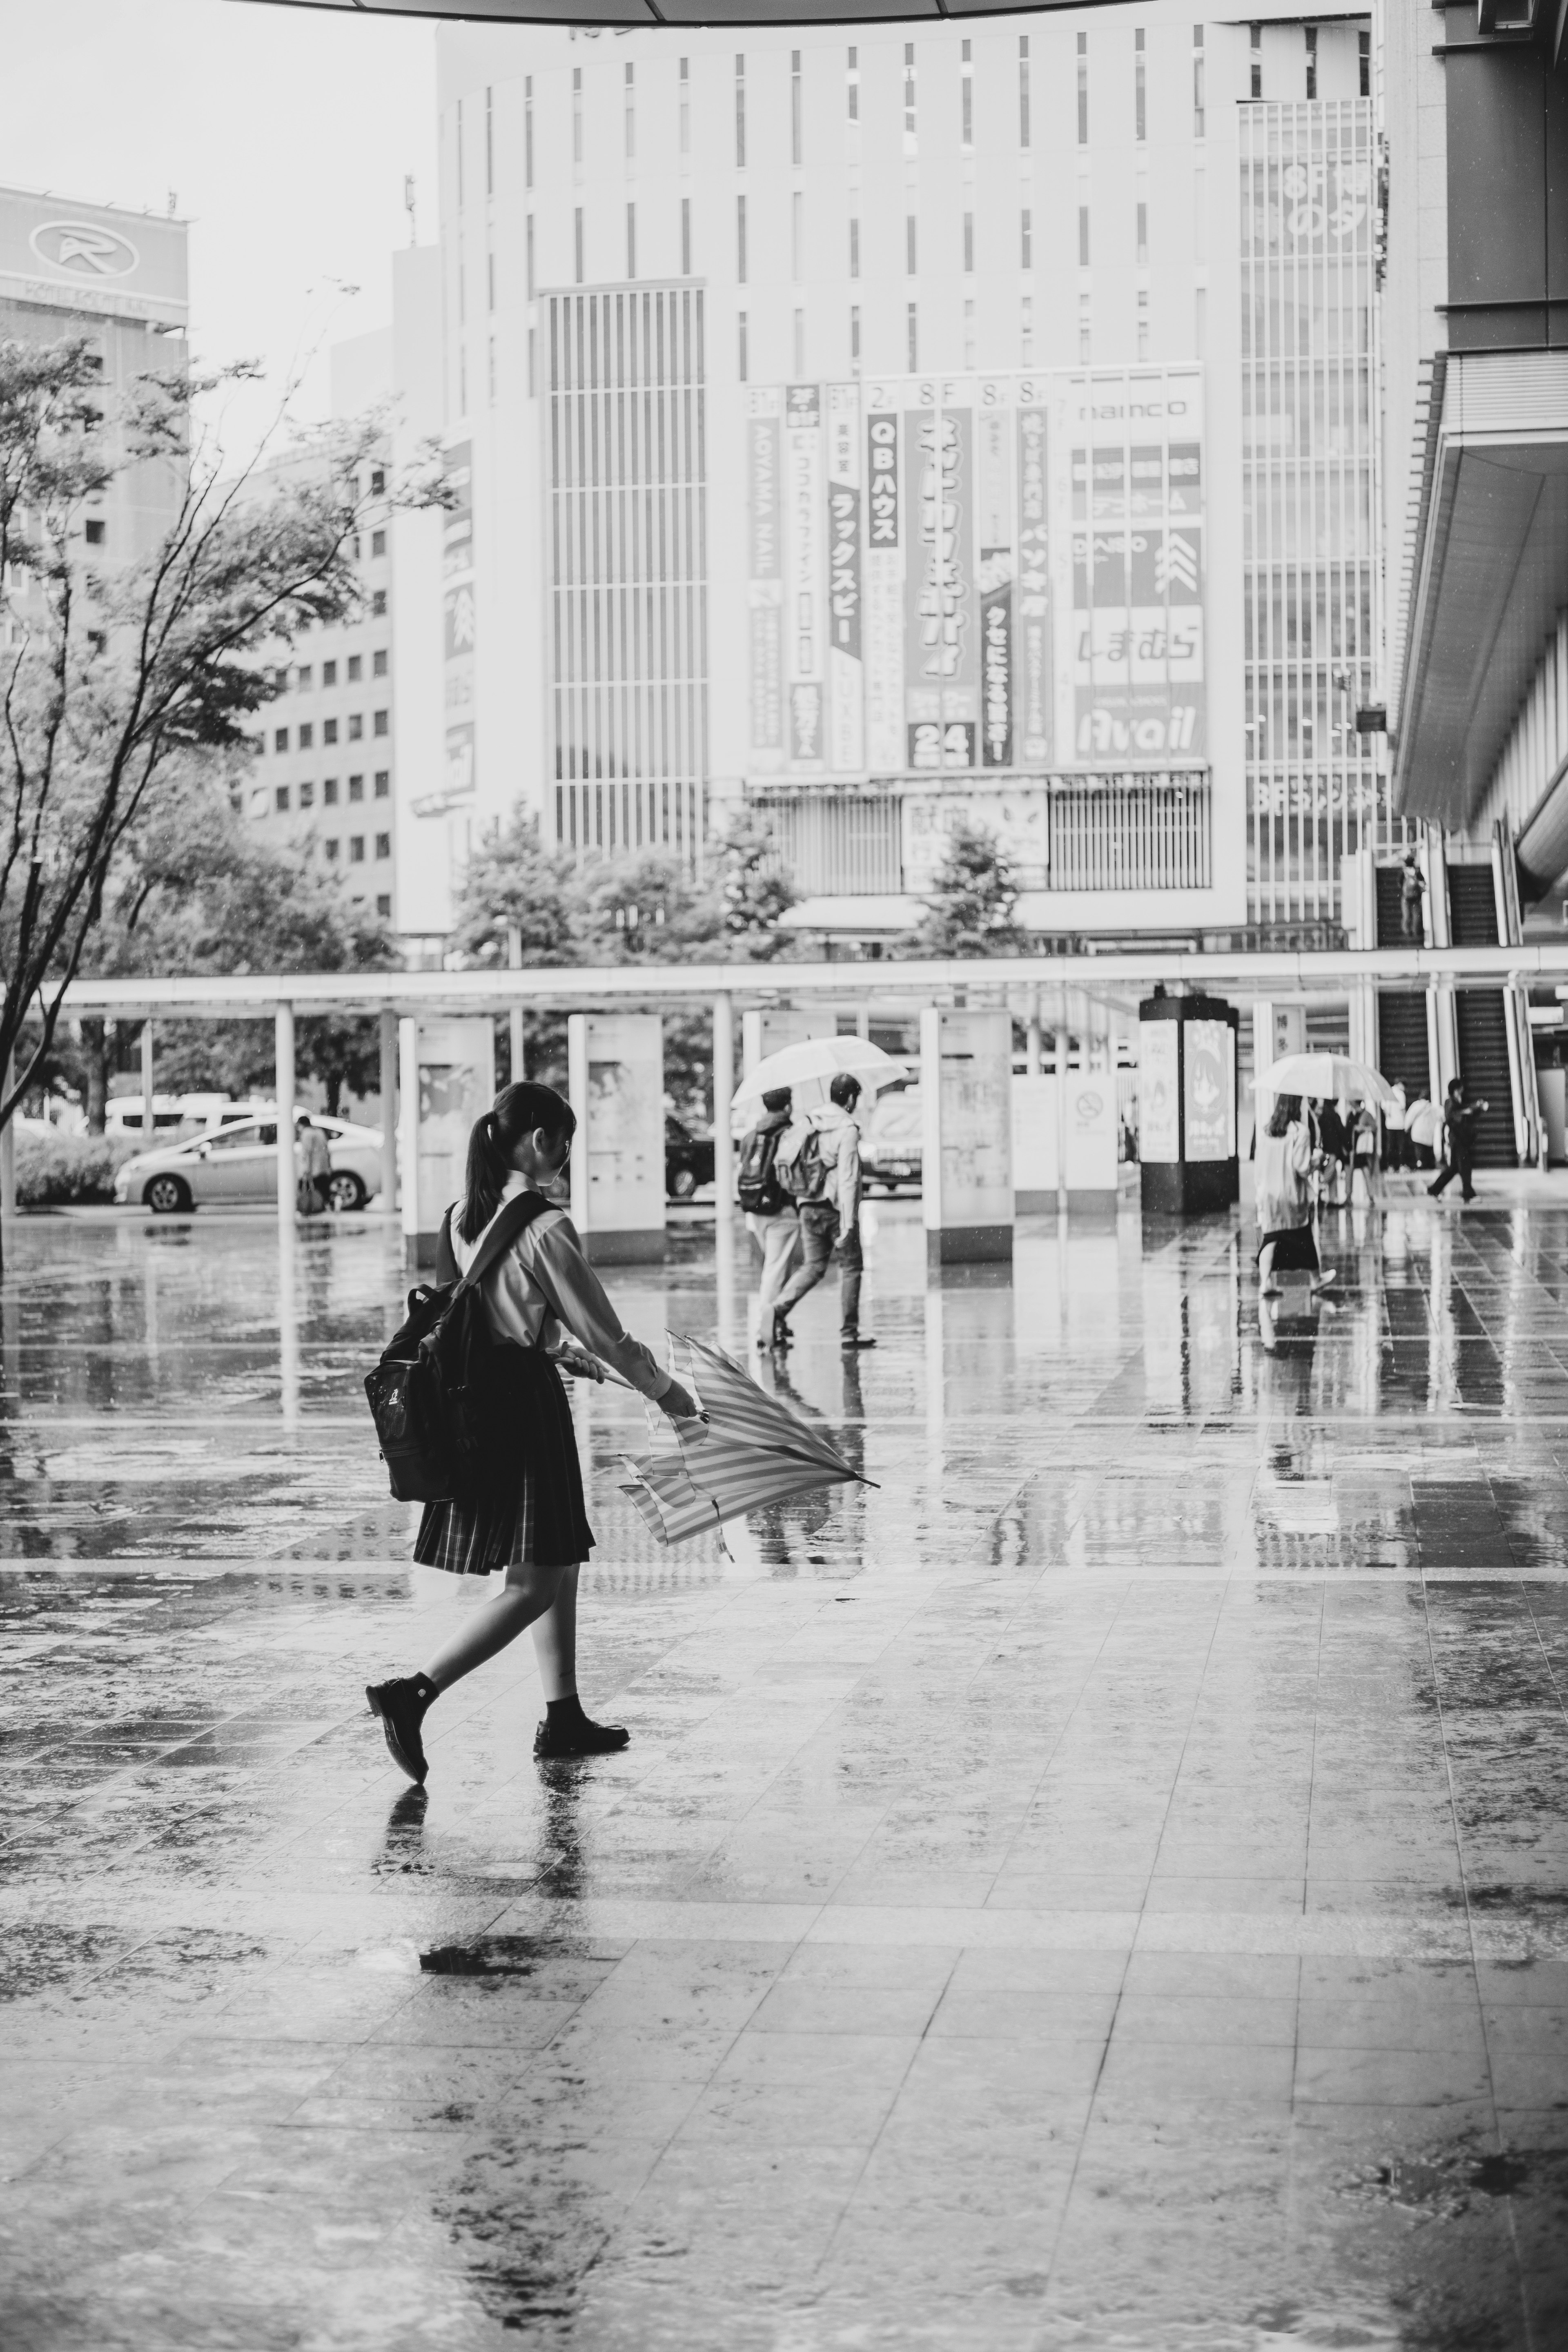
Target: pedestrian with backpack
pixel 770 1212
pixel 819 1163
pixel 519 1505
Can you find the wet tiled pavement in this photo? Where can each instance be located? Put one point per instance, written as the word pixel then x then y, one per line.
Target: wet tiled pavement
pixel 1104 1886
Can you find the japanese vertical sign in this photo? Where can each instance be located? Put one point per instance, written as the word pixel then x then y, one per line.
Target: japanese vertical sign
pixel 765 568
pixel 941 615
pixel 978 573
pixel 845 666
pixel 884 664
pixel 804 605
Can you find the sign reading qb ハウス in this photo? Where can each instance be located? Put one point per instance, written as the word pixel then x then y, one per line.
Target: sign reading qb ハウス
pixel 979 573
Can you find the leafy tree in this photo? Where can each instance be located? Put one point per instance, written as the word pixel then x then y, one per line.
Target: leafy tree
pixel 112 682
pixel 970 910
pixel 755 891
pixel 513 883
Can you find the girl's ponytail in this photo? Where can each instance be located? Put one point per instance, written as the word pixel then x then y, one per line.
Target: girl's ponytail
pixel 484 1179
pixel 521 1109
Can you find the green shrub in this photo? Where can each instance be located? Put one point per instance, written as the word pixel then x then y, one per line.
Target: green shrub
pixel 54 1171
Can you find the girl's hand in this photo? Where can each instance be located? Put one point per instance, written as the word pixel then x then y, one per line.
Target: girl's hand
pixel 677 1402
pixel 582 1368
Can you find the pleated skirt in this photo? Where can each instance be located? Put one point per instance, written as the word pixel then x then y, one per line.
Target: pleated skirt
pixel 528 1507
pixel 1295 1249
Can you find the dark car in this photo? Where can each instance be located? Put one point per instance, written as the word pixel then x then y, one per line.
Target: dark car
pixel 687 1160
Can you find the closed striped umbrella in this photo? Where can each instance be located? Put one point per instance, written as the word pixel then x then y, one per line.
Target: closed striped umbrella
pixel 749 1449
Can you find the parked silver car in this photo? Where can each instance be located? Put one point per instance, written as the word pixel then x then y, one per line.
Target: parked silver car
pixel 238 1163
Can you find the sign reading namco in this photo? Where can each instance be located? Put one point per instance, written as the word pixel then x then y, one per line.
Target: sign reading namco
pixel 84 249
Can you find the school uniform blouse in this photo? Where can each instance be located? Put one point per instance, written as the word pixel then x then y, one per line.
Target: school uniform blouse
pixel 543 1289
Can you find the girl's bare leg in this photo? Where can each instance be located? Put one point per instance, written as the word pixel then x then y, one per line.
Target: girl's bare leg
pixel 555 1641
pixel 527 1596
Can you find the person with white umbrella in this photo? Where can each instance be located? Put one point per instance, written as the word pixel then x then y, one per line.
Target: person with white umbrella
pixel 819 1163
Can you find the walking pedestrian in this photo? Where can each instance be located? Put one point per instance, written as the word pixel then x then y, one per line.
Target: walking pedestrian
pixel 819 1162
pixel 1412 884
pixel 527 1516
pixel 1334 1143
pixel 1283 1185
pixel 1363 1153
pixel 316 1166
pixel 770 1212
pixel 1394 1139
pixel 1459 1118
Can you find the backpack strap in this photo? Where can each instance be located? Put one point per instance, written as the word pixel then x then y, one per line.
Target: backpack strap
pixel 507 1227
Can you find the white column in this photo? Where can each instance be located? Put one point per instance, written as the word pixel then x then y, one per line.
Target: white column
pixel 147 1051
pixel 287 1323
pixel 388 1028
pixel 408 1136
pixel 285 1091
pixel 1032 1037
pixel 724 1162
pixel 514 961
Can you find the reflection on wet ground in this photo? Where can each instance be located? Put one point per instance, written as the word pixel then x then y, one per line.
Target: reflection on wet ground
pixel 1103 1887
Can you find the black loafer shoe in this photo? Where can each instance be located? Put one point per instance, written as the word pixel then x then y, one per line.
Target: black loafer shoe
pixel 403 1706
pixel 584 1739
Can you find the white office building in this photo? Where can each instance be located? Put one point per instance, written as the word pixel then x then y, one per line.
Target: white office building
pixel 893 427
pixel 349 755
pixel 117 278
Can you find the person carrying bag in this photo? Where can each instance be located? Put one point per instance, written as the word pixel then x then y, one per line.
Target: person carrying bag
pixel 519 1505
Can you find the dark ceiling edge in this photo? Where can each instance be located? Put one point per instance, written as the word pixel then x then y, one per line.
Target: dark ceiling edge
pixel 935 14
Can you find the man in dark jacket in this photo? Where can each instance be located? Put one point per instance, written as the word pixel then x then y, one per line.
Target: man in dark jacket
pixel 1460 1118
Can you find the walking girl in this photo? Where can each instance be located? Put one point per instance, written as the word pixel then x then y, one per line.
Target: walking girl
pixel 526 1517
pixel 1284 1188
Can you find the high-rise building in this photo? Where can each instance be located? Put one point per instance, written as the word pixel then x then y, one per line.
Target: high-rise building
pixel 116 279
pixel 349 755
pixel 893 426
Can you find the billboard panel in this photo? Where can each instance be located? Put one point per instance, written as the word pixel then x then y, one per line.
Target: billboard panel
pixel 991 574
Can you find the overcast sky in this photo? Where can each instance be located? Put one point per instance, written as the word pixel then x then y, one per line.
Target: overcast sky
pixel 284 134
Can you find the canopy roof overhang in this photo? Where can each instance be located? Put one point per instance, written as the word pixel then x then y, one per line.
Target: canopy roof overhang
pixel 1489 565
pixel 589 15
pixel 989 980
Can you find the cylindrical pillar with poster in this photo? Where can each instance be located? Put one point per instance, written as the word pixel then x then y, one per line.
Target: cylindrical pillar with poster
pixel 1186 1104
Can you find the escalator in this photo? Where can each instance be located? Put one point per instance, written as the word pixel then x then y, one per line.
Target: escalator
pixel 1402 1047
pixel 1480 1019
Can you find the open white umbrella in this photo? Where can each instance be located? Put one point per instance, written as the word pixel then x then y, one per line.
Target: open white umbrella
pixel 749 1449
pixel 1328 1077
pixel 809 1068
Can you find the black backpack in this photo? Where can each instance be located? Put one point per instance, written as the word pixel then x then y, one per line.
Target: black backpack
pixel 760 1194
pixel 428 1392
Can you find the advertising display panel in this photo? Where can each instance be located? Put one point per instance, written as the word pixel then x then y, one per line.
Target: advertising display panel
pixel 453 1083
pixel 1209 1090
pixel 1159 1098
pixel 966 1106
pixel 979 573
pixel 615 1065
pixel 804 542
pixel 764 591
